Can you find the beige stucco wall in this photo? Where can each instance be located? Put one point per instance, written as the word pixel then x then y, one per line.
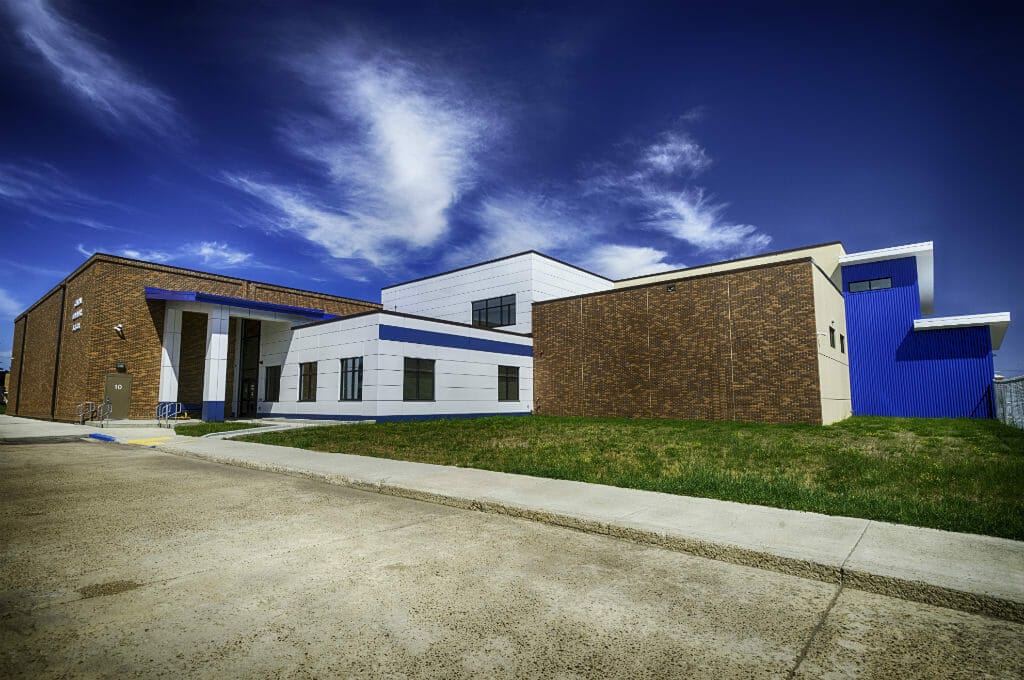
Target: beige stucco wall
pixel 833 363
pixel 827 257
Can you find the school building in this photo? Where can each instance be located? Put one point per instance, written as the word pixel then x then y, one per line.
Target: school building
pixel 808 335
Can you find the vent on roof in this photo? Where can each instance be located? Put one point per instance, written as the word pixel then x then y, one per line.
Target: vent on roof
pixel 671 287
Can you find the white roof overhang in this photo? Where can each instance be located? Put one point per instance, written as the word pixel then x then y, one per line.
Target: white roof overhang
pixel 922 252
pixel 997 324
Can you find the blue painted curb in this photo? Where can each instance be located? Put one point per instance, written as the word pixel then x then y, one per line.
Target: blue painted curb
pixel 104 437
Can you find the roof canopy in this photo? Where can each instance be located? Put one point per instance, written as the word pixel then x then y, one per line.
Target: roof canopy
pixel 241 303
pixel 997 324
pixel 922 252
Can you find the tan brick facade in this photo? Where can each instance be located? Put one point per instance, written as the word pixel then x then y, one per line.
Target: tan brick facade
pixel 113 292
pixel 739 345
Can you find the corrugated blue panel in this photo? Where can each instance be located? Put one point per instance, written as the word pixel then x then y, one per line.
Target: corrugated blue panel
pixel 897 371
pixel 401 334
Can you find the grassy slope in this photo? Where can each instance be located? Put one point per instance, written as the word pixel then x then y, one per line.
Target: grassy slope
pixel 961 475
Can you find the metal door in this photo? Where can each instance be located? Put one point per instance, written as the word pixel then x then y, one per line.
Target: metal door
pixel 119 392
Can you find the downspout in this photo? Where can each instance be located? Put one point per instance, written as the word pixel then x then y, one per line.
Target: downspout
pixel 56 361
pixel 21 363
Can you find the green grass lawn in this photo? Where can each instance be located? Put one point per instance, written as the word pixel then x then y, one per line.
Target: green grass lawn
pixel 961 475
pixel 199 429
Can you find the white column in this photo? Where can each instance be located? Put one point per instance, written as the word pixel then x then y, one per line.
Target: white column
pixel 215 373
pixel 170 355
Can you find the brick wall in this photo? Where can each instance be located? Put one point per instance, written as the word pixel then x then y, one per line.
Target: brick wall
pixel 730 346
pixel 76 347
pixel 113 292
pixel 36 371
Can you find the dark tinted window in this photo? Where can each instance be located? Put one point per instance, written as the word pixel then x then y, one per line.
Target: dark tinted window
pixel 494 312
pixel 508 383
pixel 418 382
pixel 272 384
pixel 352 379
pixel 871 284
pixel 307 381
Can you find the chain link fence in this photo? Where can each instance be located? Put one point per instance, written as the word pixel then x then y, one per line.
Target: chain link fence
pixel 1010 401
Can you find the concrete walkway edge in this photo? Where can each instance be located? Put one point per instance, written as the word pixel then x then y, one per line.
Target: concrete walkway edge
pixel 977 574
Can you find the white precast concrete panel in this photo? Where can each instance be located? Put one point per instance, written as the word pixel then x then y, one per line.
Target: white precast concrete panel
pixel 170 355
pixel 529 276
pixel 465 380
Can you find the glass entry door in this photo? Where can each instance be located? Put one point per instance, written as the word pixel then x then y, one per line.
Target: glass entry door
pixel 249 368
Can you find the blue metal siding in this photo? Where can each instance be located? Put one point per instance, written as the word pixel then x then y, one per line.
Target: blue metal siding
pixel 897 371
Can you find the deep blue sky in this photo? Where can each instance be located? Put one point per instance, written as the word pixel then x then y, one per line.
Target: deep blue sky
pixel 344 148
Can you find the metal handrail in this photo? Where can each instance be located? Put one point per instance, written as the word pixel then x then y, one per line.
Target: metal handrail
pixel 86 411
pixel 167 410
pixel 104 411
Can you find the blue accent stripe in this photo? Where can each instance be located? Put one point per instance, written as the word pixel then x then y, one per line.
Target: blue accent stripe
pixel 242 303
pixel 400 334
pixel 213 411
pixel 391 419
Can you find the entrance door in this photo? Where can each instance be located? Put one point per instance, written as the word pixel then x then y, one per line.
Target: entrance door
pixel 247 399
pixel 250 368
pixel 119 391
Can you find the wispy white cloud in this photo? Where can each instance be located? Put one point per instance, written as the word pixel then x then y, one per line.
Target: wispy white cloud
pixel 118 98
pixel 219 254
pixel 33 269
pixel 656 184
pixel 673 153
pixel 620 262
pixel 45 191
pixel 10 306
pixel 341 235
pixel 147 255
pixel 398 147
pixel 206 253
pixel 689 216
pixel 516 222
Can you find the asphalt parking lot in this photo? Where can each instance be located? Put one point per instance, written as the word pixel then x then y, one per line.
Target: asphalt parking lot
pixel 120 561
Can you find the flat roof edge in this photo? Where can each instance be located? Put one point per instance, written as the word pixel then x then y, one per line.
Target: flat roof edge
pixel 924 256
pixel 737 259
pixel 893 253
pixel 997 323
pixel 683 279
pixel 492 261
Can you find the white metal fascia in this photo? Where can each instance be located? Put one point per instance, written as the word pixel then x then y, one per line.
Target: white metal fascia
pixel 922 252
pixel 997 324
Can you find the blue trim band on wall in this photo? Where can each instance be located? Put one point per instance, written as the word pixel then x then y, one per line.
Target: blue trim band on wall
pixel 400 334
pixel 391 419
pixel 213 411
pixel 241 303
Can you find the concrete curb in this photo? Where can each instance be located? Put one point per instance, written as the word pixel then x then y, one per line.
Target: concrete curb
pixel 859 579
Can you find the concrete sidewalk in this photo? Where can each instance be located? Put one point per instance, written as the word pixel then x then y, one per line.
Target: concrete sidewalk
pixel 26 431
pixel 962 571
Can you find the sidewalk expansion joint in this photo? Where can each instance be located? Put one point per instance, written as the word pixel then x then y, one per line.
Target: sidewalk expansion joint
pixel 814 633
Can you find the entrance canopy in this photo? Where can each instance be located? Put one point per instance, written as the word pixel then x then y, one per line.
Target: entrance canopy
pixel 238 303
